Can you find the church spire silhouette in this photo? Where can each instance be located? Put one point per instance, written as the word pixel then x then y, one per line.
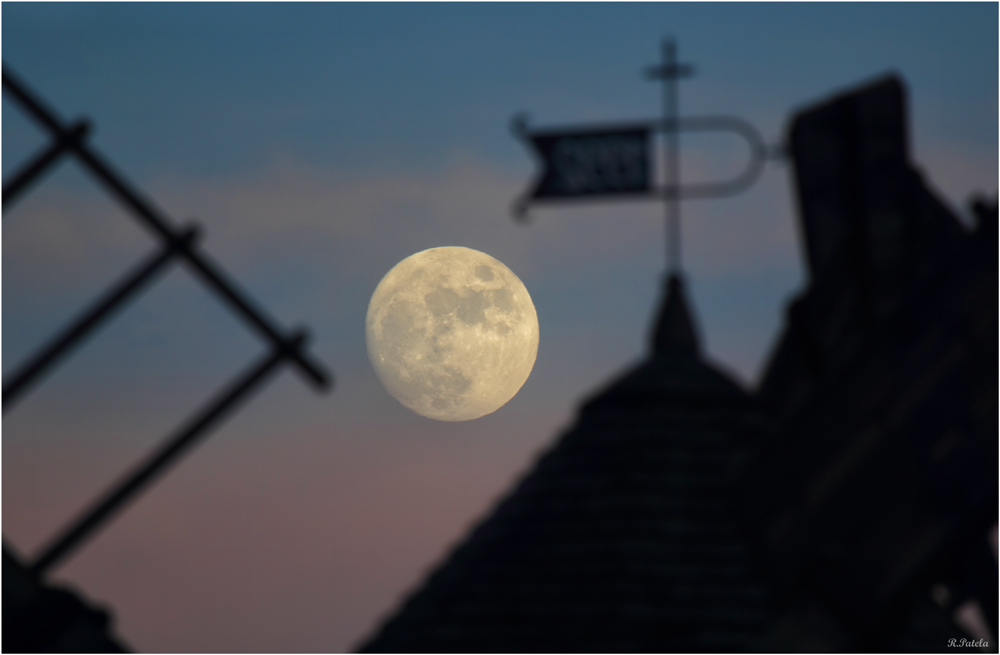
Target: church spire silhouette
pixel 674 330
pixel 623 537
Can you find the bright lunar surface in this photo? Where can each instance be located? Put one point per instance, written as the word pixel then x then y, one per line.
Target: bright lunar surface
pixel 452 333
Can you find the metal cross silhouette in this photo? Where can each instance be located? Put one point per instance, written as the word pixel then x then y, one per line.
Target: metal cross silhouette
pixel 613 161
pixel 669 72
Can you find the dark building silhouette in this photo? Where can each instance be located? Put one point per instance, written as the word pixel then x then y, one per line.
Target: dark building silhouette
pixel 682 513
pixel 880 479
pixel 43 618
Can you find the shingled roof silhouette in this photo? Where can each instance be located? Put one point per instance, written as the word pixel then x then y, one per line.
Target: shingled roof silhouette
pixel 819 513
pixel 624 537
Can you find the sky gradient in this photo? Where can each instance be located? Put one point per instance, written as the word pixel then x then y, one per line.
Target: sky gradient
pixel 320 144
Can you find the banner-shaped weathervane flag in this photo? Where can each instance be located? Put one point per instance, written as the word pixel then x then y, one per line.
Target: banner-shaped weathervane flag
pixel 616 161
pixel 592 162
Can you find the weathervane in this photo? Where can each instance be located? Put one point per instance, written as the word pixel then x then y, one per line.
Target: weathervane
pixel 615 160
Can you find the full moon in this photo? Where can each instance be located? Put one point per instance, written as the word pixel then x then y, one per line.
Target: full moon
pixel 452 333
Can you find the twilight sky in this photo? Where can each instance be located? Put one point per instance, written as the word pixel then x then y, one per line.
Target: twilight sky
pixel 319 145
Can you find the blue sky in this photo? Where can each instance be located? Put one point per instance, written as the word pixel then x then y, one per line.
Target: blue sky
pixel 320 144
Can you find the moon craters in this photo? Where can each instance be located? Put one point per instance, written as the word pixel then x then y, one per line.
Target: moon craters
pixel 452 333
pixel 484 272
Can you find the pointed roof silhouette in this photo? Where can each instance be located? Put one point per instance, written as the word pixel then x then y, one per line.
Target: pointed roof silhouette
pixel 624 536
pixel 674 328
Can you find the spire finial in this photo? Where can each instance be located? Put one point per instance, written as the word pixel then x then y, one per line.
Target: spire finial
pixel 669 71
pixel 674 330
